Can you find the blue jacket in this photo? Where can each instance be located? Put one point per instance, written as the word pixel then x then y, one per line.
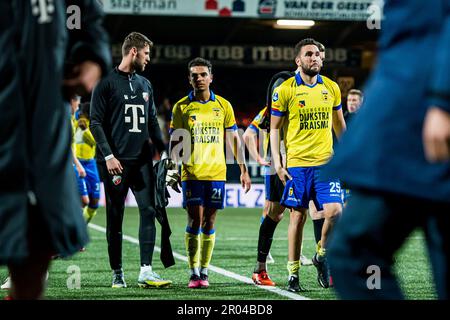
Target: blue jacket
pixel 382 149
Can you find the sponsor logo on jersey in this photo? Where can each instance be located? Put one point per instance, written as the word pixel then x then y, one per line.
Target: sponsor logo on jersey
pixel 275 97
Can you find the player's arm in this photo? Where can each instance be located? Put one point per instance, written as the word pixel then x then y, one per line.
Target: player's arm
pixel 154 129
pixel 88 53
pixel 251 141
pixel 339 125
pixel 436 130
pixel 173 178
pixel 276 122
pixel 232 137
pixel 338 121
pixel 97 116
pixel 78 165
pixel 234 143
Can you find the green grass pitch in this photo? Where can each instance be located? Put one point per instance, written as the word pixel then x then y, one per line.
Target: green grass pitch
pixel 235 251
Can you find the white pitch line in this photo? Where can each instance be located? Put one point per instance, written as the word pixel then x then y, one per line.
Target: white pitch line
pixel 221 271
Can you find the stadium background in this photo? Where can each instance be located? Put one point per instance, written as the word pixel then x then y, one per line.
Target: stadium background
pixel 245 51
pixel 241 77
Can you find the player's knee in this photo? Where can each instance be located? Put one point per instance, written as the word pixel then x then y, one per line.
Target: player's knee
pixel 275 211
pixel 84 201
pixel 333 211
pixel 298 218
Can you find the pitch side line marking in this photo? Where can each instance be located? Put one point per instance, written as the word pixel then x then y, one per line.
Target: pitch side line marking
pixel 221 271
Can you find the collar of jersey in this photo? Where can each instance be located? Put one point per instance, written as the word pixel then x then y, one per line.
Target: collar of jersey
pixel 299 80
pixel 211 98
pixel 125 73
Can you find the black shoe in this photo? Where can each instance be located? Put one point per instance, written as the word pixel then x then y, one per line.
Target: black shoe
pixel 294 285
pixel 118 279
pixel 322 272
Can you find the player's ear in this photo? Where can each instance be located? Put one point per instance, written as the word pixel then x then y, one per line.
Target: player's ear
pixel 211 77
pixel 297 60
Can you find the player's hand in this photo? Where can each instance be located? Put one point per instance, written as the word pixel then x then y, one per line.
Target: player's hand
pixel 283 174
pixel 263 162
pixel 436 135
pixel 114 166
pixel 246 182
pixel 173 179
pixel 81 171
pixel 83 78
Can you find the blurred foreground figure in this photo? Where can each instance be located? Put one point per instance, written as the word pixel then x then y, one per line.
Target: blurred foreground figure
pixel 39 203
pixel 382 156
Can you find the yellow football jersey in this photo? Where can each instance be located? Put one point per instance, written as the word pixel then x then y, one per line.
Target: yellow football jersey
pixel 84 142
pixel 205 123
pixel 308 125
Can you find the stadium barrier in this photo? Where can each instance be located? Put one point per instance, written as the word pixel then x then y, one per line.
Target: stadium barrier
pixel 234 197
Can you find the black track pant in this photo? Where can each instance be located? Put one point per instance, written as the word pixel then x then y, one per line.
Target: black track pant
pixel 138 179
pixel 371 230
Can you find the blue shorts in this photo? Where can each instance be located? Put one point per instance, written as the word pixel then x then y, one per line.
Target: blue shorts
pixel 209 194
pixel 305 186
pixel 81 183
pixel 92 178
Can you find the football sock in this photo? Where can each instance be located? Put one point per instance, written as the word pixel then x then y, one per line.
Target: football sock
pixel 204 271
pixel 208 240
pixel 192 242
pixel 318 224
pixel 146 268
pixel 293 267
pixel 266 231
pixel 89 213
pixel 260 266
pixel 321 252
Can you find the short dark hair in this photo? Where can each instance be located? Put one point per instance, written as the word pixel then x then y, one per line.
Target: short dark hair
pixel 320 46
pixel 199 62
pixel 135 39
pixel 356 92
pixel 304 42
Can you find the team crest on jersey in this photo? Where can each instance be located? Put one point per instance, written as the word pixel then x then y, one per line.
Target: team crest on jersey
pixel 216 112
pixel 291 191
pixel 325 95
pixel 275 97
pixel 192 118
pixel 145 96
pixel 301 103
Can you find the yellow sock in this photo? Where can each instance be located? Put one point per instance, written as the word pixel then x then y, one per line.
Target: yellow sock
pixel 293 267
pixel 192 249
pixel 321 252
pixel 207 247
pixel 89 213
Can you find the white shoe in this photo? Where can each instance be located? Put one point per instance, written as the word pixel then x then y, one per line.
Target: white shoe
pixel 7 284
pixel 149 279
pixel 270 259
pixel 305 261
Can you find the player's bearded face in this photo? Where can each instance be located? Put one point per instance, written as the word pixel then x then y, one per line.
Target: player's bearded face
pixel 141 59
pixel 310 60
pixel 311 68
